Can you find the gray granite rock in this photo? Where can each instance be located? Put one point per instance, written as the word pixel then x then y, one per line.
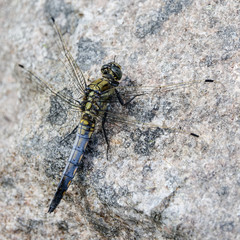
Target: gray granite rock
pixel 156 183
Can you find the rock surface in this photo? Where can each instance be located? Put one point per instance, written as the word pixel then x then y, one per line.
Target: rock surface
pixel 156 183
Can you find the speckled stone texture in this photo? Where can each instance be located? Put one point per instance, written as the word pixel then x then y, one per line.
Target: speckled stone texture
pixel 157 183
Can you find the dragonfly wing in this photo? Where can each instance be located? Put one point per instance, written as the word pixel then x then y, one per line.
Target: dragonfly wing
pixel 63 73
pixel 70 64
pixel 142 110
pixel 128 92
pixel 48 88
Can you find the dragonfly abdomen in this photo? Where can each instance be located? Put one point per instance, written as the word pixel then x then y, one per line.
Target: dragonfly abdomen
pixel 85 131
pixel 92 109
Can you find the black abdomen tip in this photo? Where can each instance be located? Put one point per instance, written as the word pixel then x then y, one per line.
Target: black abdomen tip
pixel 51 209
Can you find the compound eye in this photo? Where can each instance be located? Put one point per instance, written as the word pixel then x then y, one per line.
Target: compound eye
pixel 117 72
pixel 104 69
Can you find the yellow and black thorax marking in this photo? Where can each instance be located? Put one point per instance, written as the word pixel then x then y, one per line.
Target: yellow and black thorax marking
pixel 96 98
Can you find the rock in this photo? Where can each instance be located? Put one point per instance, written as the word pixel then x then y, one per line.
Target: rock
pixel 157 183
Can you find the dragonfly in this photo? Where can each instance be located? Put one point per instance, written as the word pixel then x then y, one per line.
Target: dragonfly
pixel 94 105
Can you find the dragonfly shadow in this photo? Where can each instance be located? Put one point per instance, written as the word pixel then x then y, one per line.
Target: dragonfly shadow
pixel 59 109
pixel 145 140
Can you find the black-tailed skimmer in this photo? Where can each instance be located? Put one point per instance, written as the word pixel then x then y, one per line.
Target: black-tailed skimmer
pixel 93 102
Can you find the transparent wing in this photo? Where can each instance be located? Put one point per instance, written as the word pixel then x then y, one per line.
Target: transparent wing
pixel 148 103
pixel 129 92
pixel 48 88
pixel 71 66
pixel 62 73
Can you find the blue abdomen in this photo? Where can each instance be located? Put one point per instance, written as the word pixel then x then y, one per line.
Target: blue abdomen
pixel 84 133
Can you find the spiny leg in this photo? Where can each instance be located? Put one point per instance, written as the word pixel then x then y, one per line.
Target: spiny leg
pixel 104 131
pixel 121 100
pixel 69 134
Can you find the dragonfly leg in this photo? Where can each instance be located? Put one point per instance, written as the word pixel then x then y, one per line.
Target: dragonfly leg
pixel 121 100
pixel 104 132
pixel 69 134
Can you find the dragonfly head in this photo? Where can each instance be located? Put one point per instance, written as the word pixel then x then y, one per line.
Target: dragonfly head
pixel 112 70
